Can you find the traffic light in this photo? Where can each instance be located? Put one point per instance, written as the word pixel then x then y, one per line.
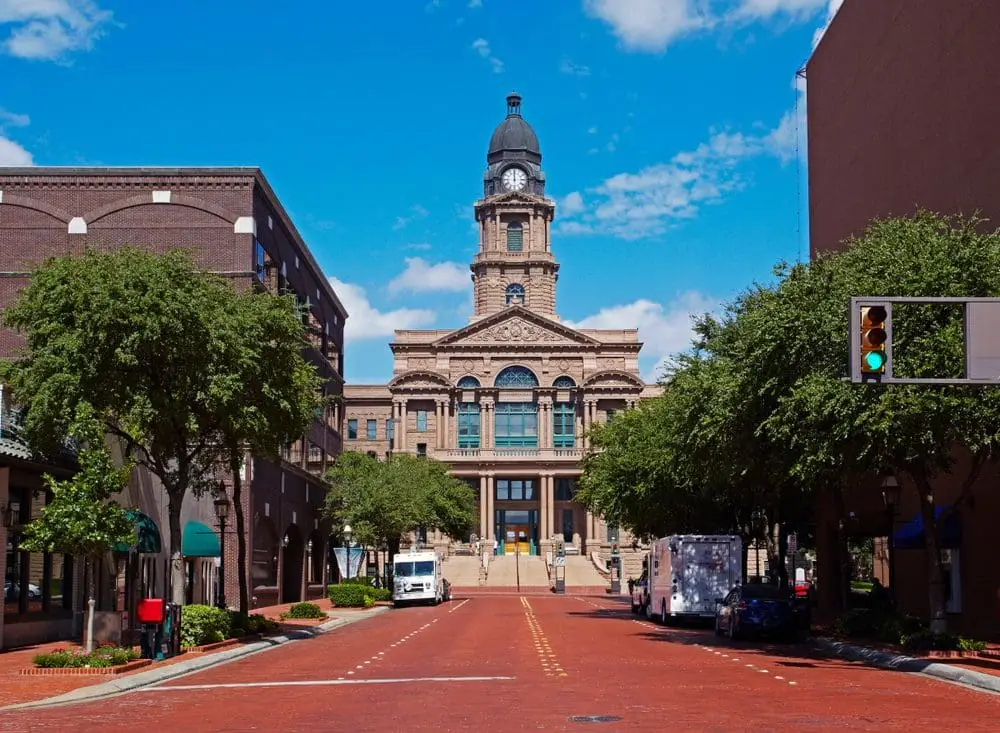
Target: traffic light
pixel 614 548
pixel 874 334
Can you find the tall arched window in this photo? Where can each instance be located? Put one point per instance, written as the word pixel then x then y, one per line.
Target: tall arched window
pixel 516 423
pixel 515 294
pixel 515 237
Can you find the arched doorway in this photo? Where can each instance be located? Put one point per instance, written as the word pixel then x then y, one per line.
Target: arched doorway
pixel 292 565
pixel 264 563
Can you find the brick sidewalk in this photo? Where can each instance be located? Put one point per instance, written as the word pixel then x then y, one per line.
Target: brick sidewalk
pixel 18 688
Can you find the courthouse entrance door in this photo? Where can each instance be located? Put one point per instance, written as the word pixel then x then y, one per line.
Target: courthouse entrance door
pixel 517 539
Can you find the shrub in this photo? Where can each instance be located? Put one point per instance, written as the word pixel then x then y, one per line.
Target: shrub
pixel 926 640
pixel 304 610
pixel 360 580
pixel 106 655
pixel 204 625
pixel 349 595
pixel 970 645
pixel 380 594
pixel 255 623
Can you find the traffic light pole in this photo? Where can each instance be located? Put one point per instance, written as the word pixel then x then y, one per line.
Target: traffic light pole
pixel 981 343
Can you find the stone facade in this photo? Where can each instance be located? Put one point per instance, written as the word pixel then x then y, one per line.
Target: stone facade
pixel 508 399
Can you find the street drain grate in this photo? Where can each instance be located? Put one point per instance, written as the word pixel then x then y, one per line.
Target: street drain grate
pixel 594 718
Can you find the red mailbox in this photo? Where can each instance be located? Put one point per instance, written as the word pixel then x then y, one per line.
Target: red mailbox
pixel 151 611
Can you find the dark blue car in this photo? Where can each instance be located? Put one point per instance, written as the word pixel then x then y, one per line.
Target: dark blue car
pixel 755 609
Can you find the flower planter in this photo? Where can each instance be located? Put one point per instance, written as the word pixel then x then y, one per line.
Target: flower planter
pixel 76 671
pixel 214 646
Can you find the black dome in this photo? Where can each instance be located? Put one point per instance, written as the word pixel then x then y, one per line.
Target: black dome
pixel 514 134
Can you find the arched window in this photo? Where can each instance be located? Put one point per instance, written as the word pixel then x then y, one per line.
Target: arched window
pixel 515 237
pixel 564 382
pixel 517 377
pixel 468 383
pixel 515 294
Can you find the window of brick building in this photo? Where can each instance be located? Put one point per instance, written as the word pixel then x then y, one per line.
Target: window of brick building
pixel 352 429
pixel 421 421
pixel 371 429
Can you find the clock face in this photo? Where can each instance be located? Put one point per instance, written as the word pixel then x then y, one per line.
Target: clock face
pixel 514 179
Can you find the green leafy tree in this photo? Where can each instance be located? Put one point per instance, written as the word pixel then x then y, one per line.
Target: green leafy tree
pixel 134 335
pixel 82 518
pixel 384 500
pixel 264 392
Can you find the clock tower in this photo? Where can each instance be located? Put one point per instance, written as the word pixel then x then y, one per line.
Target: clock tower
pixel 514 264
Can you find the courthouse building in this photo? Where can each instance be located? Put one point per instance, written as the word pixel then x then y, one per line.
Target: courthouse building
pixel 507 400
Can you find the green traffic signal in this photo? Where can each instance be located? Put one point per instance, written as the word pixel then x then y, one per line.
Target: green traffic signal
pixel 875 360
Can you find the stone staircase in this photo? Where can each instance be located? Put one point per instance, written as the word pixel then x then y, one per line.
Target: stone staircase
pixel 580 571
pixel 463 571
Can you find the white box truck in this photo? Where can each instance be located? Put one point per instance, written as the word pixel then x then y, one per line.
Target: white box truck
pixel 418 576
pixel 688 572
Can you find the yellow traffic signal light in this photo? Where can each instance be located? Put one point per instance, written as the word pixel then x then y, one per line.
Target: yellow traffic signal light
pixel 873 338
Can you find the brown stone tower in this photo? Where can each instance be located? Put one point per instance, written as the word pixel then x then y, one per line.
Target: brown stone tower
pixel 514 265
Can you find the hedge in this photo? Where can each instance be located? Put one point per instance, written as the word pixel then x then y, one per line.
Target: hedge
pixel 106 655
pixel 357 595
pixel 304 610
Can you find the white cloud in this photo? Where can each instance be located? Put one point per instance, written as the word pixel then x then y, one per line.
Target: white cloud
pixel 568 67
pixel 367 322
pixel 591 130
pixel 664 330
pixel 831 10
pixel 571 204
pixel 482 47
pixel 647 203
pixel 475 3
pixel 415 212
pixel 419 245
pixel 13 119
pixel 12 154
pixel 420 276
pixel 49 29
pixel 652 25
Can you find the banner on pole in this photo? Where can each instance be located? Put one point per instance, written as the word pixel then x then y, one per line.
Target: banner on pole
pixel 357 554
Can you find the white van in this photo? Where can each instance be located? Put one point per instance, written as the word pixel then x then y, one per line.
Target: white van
pixel 688 572
pixel 418 576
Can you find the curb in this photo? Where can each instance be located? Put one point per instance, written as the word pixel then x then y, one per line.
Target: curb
pixel 902 663
pixel 196 664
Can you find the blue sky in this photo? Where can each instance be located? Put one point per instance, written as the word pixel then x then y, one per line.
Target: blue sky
pixel 672 135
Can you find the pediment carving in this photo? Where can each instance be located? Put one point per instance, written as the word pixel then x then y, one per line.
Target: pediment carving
pixel 613 378
pixel 517 325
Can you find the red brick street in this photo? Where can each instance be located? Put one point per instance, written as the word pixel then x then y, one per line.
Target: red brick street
pixel 529 662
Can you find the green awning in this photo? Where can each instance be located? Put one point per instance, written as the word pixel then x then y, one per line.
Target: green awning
pixel 199 540
pixel 147 535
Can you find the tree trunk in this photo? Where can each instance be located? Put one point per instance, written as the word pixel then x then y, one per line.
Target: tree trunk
pixel 241 536
pixel 88 581
pixel 782 556
pixel 932 553
pixel 745 556
pixel 392 544
pixel 177 574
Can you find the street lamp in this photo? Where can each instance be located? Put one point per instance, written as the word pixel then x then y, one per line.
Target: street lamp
pixel 347 540
pixel 309 561
pixel 890 496
pixel 222 513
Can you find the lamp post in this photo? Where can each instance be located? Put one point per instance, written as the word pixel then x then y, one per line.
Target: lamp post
pixel 347 541
pixel 890 497
pixel 222 513
pixel 11 514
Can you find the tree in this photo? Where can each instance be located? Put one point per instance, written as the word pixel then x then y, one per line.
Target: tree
pixel 263 391
pixel 82 519
pixel 384 500
pixel 134 335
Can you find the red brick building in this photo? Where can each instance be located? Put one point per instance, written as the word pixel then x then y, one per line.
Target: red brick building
pixel 234 225
pixel 903 106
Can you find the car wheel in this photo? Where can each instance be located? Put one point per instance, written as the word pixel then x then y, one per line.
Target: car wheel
pixel 733 634
pixel 663 613
pixel 718 627
pixel 635 608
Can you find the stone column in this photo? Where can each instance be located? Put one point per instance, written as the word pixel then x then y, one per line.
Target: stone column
pixel 550 504
pixel 589 526
pixel 402 425
pixel 446 440
pixel 438 424
pixel 577 429
pixel 543 507
pixel 587 418
pixel 486 424
pixel 490 513
pixel 304 579
pixel 483 500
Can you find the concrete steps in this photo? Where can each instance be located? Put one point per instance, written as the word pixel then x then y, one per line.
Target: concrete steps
pixel 580 572
pixel 462 570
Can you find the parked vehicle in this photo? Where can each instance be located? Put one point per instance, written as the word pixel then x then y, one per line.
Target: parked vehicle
pixel 688 572
pixel 758 609
pixel 418 576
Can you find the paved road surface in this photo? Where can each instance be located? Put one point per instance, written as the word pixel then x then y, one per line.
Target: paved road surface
pixel 515 663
